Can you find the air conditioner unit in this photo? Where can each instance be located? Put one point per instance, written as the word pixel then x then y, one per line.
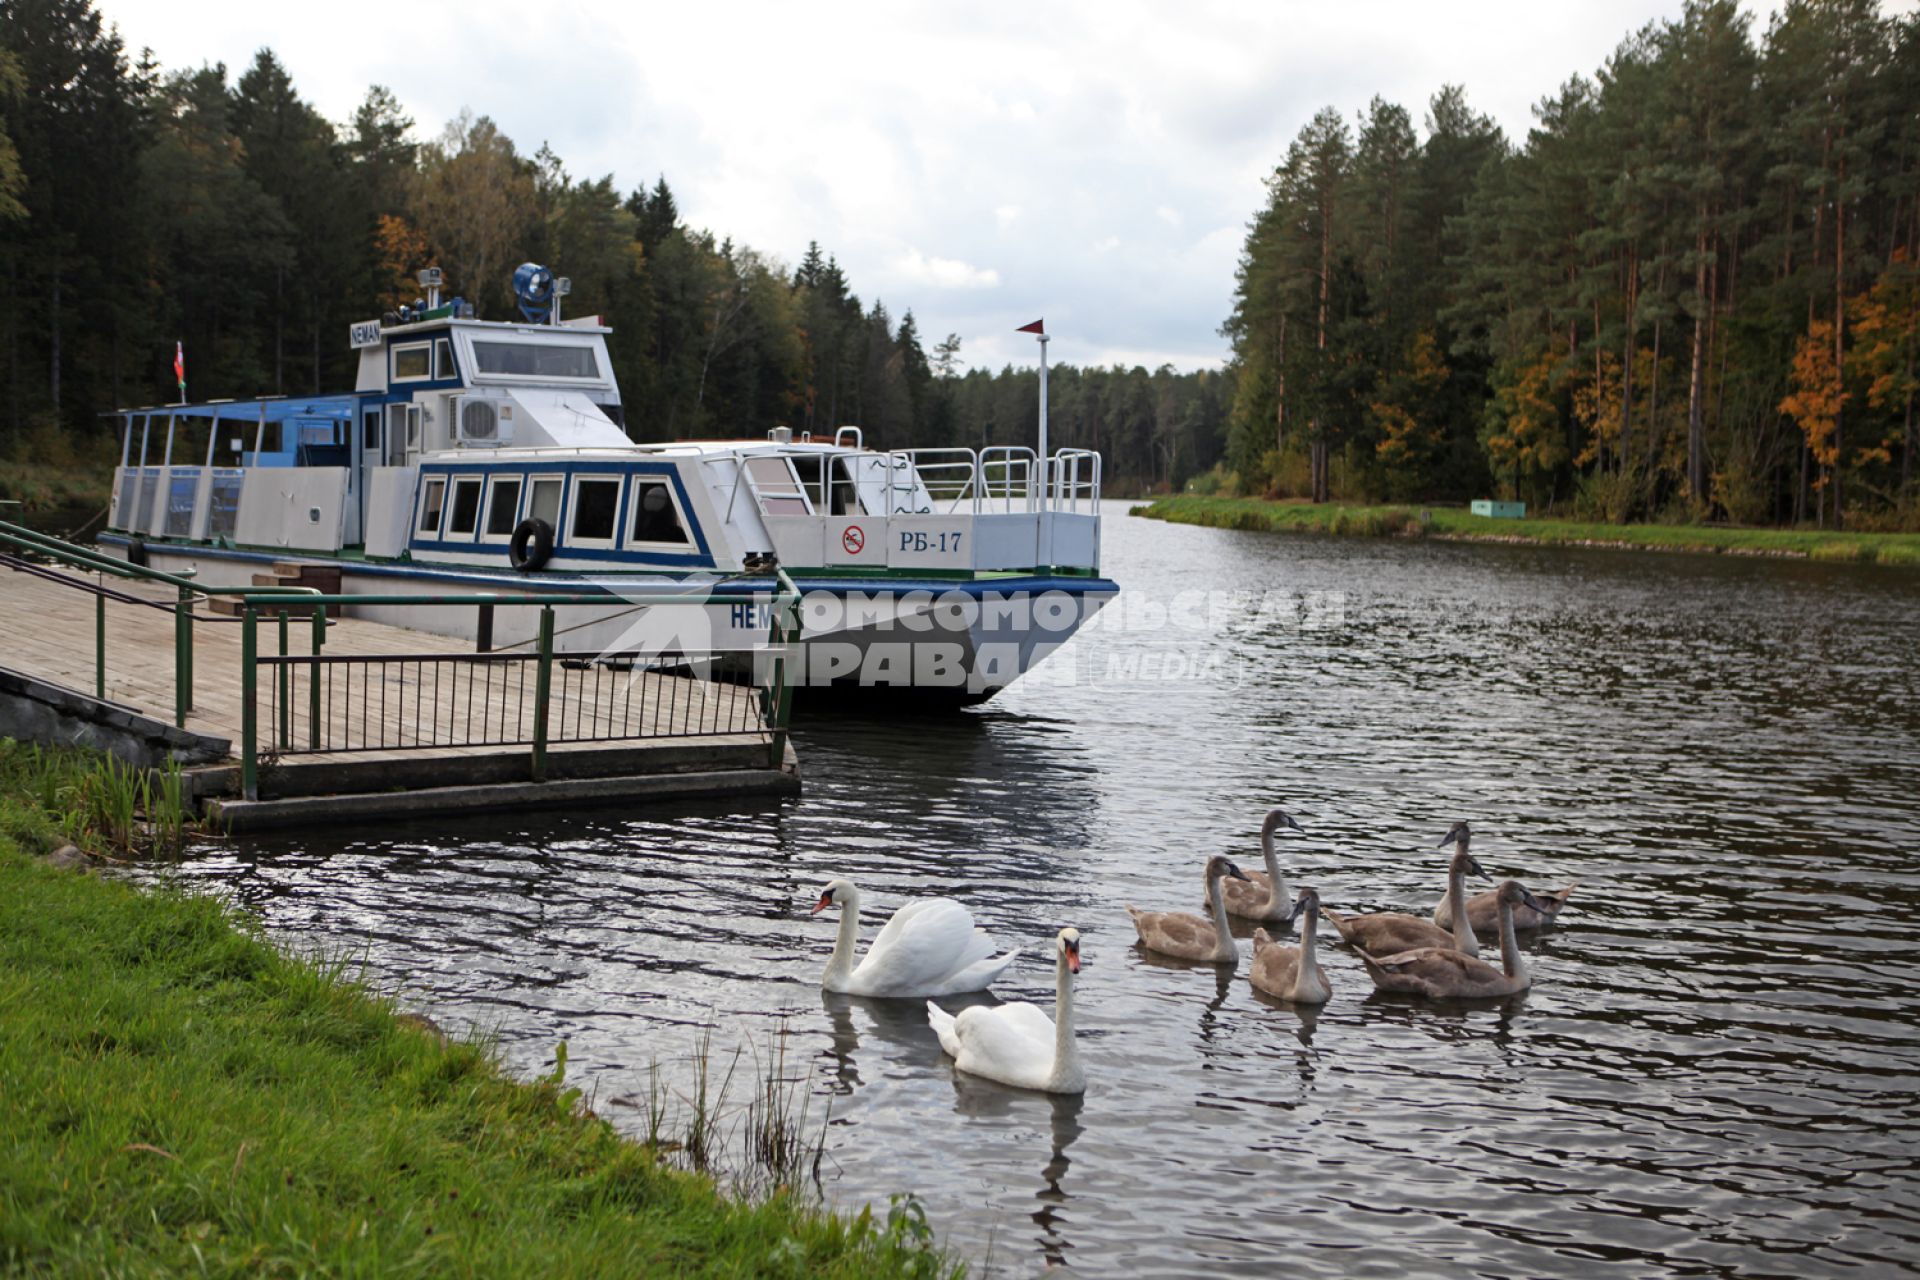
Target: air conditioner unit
pixel 479 422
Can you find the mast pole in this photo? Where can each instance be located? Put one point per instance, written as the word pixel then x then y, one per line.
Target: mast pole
pixel 1045 472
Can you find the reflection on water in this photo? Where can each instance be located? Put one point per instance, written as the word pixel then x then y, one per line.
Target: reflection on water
pixel 1715 1072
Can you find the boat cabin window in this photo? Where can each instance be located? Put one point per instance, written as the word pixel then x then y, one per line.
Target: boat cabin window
pixel 466 506
pixel 596 504
pixel 656 517
pixel 430 503
pixel 442 359
pixel 535 360
pixel 503 504
pixel 410 363
pixel 777 487
pixel 545 503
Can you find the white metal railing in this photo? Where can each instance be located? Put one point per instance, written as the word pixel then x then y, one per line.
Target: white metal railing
pixel 933 481
pixel 1000 479
pixel 1007 480
pixel 1073 481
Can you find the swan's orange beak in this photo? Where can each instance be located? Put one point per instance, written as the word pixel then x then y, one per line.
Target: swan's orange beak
pixel 826 900
pixel 1073 958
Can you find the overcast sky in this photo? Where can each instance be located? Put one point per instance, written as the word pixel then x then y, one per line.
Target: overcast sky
pixel 983 165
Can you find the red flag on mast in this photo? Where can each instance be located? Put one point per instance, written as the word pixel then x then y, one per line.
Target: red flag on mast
pixel 180 364
pixel 1038 326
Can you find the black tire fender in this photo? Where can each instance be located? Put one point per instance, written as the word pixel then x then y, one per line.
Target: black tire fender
pixel 532 544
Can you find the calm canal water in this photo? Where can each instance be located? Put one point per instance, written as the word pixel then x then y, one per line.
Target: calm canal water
pixel 1716 1073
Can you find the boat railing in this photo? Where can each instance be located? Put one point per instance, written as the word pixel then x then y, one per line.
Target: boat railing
pixel 196 503
pixel 943 481
pixel 999 479
pixel 1073 481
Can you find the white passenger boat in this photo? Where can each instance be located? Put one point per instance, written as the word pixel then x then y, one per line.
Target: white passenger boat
pixel 491 456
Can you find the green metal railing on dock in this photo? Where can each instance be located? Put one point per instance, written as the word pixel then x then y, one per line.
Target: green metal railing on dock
pixel 24 540
pixel 327 732
pixel 329 706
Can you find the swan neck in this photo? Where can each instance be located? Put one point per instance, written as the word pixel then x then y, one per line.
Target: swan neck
pixel 1218 901
pixel 1510 956
pixel 1066 1055
pixel 840 966
pixel 1281 892
pixel 1309 958
pixel 1463 939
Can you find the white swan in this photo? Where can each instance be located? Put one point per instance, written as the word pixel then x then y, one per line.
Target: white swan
pixel 1017 1044
pixel 929 948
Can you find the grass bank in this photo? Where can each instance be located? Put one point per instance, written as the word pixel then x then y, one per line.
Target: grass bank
pixel 177 1095
pixel 1458 525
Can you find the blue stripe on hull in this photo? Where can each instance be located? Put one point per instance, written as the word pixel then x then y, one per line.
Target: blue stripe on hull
pixel 494 581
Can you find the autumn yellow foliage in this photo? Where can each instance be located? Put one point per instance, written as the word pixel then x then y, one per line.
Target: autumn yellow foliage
pixel 401 251
pixel 1817 396
pixel 1521 430
pixel 1411 429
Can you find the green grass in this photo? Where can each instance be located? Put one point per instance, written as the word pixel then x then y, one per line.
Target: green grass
pixel 177 1095
pixel 1453 523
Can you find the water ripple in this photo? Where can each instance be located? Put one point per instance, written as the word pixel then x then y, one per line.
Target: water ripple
pixel 1715 1075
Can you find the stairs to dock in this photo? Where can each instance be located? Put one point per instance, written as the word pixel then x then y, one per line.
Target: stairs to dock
pixel 324 578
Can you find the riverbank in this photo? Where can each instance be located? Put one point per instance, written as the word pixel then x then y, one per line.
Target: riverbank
pixel 179 1095
pixel 45 491
pixel 1454 524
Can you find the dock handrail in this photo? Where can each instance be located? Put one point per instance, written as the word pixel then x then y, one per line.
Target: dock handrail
pixel 80 557
pixel 775 696
pixel 185 590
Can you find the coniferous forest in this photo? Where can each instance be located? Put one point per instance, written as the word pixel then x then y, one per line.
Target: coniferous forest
pixel 1691 292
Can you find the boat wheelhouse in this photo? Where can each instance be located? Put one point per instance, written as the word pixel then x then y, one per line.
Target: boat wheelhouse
pixel 488 455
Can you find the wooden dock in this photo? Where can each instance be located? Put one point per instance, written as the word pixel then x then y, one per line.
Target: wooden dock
pixel 399 709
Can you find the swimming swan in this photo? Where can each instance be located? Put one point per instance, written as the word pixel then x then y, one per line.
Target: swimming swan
pixel 1443 974
pixel 1386 933
pixel 1292 973
pixel 1483 913
pixel 1016 1043
pixel 929 948
pixel 1188 937
pixel 1265 895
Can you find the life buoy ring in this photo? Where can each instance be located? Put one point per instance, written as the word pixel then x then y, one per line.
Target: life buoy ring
pixel 532 544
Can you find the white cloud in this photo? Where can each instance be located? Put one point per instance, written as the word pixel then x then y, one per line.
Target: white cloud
pixel 943 273
pixel 1079 155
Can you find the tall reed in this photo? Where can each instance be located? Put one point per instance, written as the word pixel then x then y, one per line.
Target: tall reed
pixel 760 1146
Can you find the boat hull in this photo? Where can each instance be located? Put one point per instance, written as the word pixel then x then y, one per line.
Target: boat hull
pixel 914 643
